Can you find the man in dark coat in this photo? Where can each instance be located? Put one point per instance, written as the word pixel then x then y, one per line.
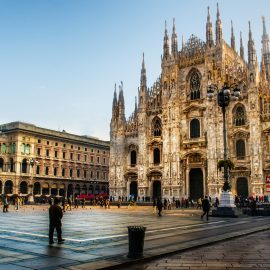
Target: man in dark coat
pixel 205 207
pixel 55 214
pixel 159 206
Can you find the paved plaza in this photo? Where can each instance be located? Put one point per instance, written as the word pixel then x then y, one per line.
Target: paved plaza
pixel 97 238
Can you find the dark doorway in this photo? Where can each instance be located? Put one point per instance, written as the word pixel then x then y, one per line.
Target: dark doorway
pixel 36 188
pixel 23 188
pixel 195 184
pixel 134 190
pixel 8 187
pixel 156 189
pixel 242 187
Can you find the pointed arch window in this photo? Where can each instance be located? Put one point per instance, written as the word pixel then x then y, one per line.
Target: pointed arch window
pixel 239 116
pixel 156 127
pixel 240 149
pixel 195 85
pixel 194 128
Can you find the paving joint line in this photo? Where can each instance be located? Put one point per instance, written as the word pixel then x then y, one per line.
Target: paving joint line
pixel 154 257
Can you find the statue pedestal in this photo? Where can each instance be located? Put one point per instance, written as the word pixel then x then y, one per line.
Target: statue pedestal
pixel 31 198
pixel 226 207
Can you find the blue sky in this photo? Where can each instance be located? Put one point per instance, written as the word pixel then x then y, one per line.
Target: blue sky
pixel 60 59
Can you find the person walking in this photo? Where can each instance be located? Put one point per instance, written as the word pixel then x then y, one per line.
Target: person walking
pixel 83 203
pixel 5 204
pixel 55 215
pixel 69 203
pixel 154 206
pixel 64 204
pixel 159 206
pixel 205 207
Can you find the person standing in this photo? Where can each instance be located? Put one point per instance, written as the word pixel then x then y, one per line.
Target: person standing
pixel 76 202
pixel 154 206
pixel 205 207
pixel 55 215
pixel 64 204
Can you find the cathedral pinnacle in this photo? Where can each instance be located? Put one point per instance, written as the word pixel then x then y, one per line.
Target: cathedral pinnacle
pixel 174 40
pixel 252 56
pixel 266 50
pixel 143 74
pixel 218 28
pixel 232 37
pixel 209 31
pixel 242 54
pixel 166 47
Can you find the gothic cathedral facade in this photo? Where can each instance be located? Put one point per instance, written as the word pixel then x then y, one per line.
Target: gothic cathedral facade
pixel 171 144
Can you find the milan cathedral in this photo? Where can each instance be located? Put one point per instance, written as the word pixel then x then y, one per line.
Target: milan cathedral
pixel 172 143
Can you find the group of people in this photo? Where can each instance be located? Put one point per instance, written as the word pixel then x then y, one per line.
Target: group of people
pixel 17 201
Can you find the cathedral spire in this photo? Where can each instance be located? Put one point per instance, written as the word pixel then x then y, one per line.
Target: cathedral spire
pixel 263 70
pixel 121 103
pixel 183 43
pixel 209 31
pixel 266 50
pixel 174 41
pixel 252 56
pixel 242 54
pixel 143 74
pixel 136 106
pixel 166 46
pixel 232 37
pixel 114 104
pixel 218 28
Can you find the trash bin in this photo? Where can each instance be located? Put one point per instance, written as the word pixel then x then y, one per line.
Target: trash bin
pixel 136 241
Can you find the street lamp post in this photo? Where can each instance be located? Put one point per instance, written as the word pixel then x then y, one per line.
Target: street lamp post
pixel 224 96
pixel 31 162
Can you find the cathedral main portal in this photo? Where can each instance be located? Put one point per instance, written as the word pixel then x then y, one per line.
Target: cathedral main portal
pixel 156 189
pixel 196 184
pixel 134 189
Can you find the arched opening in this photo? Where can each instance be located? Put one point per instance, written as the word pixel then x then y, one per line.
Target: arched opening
pixel 70 190
pixel 194 128
pixel 77 190
pixel 195 85
pixel 242 187
pixel 97 189
pixel 62 190
pixel 1 186
pixel 239 116
pixel 156 127
pixel 134 190
pixel 156 156
pixel 156 189
pixel 103 189
pixel 23 187
pixel 133 158
pixel 36 189
pixel 54 190
pixel 84 189
pixel 195 184
pixel 45 189
pixel 240 149
pixel 1 165
pixel 8 187
pixel 24 166
pixel 91 189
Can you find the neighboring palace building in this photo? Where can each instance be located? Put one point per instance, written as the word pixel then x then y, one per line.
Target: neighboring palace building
pixel 172 142
pixel 48 162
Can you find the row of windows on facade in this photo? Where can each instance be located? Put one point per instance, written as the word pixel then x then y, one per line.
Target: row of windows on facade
pixel 240 153
pixel 239 120
pixel 71 155
pixel 25 149
pixel 71 146
pixel 24 169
